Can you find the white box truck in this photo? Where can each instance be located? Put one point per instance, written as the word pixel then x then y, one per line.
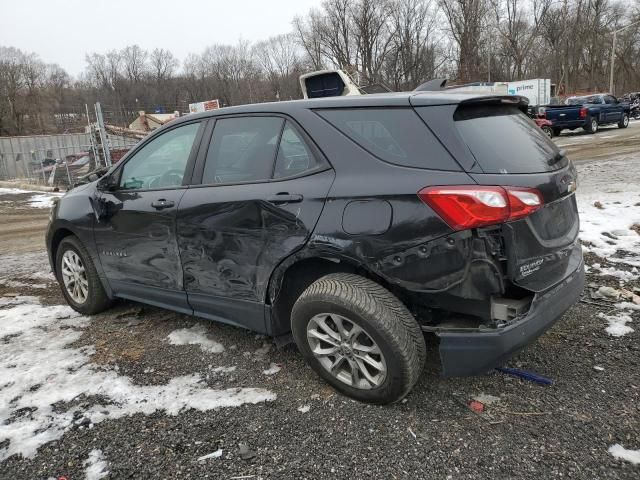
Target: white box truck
pixel 538 90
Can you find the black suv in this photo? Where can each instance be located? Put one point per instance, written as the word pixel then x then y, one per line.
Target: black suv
pixel 353 223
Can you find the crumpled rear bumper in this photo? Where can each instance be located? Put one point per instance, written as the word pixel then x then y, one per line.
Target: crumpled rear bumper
pixel 473 353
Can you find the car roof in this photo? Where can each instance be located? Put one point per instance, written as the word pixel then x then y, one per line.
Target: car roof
pixel 391 99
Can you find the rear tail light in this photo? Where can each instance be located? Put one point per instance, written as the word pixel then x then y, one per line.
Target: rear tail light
pixel 583 112
pixel 470 206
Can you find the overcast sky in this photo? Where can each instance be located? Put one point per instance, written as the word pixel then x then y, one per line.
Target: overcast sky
pixel 63 31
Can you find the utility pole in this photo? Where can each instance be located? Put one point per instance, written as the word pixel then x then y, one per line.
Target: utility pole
pixel 613 53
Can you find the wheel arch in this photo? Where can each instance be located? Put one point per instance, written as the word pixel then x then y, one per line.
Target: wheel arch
pixel 58 235
pixel 64 230
pixel 296 273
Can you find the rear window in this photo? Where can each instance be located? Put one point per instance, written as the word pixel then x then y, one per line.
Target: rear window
pixel 502 139
pixel 583 100
pixel 395 135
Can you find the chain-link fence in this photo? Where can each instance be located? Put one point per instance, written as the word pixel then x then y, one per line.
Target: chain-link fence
pixel 57 160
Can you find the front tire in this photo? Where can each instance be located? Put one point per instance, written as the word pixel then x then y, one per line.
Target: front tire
pixel 624 122
pixel 78 278
pixel 359 338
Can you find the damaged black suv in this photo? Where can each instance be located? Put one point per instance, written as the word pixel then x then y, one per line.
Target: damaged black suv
pixel 356 224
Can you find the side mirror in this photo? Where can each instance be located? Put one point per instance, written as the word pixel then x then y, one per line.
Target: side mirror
pixel 108 183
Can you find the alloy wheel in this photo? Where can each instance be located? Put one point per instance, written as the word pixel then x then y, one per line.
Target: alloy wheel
pixel 74 277
pixel 346 351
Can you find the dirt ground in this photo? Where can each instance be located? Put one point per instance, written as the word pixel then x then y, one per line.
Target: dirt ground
pixel 527 431
pixel 21 227
pixel 609 142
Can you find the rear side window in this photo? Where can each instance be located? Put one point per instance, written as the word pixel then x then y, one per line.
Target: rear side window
pixel 395 135
pixel 294 155
pixel 502 139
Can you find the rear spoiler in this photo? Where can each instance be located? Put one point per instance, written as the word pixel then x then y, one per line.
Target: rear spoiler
pixel 522 103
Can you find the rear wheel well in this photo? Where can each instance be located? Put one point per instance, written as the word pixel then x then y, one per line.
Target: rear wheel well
pixel 58 236
pixel 299 276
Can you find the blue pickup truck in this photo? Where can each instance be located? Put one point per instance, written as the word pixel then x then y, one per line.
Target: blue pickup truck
pixel 588 112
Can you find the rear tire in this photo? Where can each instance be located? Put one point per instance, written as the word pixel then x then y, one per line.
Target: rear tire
pixel 557 132
pixel 548 131
pixel 624 122
pixel 78 278
pixel 593 126
pixel 367 345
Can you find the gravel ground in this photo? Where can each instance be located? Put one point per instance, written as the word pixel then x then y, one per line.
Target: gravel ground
pixel 527 431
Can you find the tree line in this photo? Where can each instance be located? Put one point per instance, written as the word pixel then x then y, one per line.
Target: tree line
pixel 400 43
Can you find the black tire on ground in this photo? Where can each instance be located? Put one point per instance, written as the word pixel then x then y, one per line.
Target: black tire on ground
pixel 382 317
pixel 97 300
pixel 592 126
pixel 557 132
pixel 624 121
pixel 548 131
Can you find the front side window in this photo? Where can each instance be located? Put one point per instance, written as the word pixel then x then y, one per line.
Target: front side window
pixel 161 163
pixel 242 149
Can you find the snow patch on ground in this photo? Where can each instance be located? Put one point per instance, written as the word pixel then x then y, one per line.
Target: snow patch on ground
pixel 617 324
pixel 273 369
pixel 618 451
pixel 39 200
pixel 18 284
pixel 13 191
pixel 216 454
pixel 96 467
pixel 623 275
pixel 196 335
pixel 43 200
pixel 40 368
pixel 304 409
pixel 627 306
pixel 609 209
pixel 486 398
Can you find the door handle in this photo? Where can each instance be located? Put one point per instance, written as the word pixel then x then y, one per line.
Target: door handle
pixel 161 204
pixel 282 198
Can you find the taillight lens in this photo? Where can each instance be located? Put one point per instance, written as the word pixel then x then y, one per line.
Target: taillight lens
pixel 583 112
pixel 464 207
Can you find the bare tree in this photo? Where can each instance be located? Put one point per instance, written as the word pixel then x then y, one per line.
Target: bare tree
pixel 309 36
pixel 372 35
pixel 466 22
pixel 280 61
pixel 518 23
pixel 163 64
pixel 336 33
pixel 412 57
pixel 134 60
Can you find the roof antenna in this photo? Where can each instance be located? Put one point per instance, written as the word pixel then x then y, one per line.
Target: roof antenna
pixel 432 85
